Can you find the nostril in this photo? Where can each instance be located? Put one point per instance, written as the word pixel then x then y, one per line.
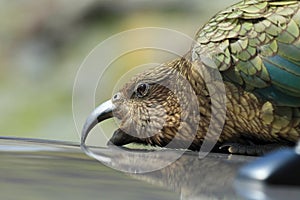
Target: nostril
pixel 116 96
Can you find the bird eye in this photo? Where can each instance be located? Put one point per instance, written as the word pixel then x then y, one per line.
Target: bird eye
pixel 142 89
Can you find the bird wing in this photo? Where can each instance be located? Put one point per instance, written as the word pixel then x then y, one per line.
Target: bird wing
pixel 256 44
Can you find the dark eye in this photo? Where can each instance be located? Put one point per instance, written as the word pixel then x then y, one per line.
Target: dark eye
pixel 142 89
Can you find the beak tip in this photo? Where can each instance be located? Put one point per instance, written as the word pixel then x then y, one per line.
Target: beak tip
pixel 82 142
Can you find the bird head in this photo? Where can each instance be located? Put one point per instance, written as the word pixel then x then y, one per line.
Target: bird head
pixel 153 107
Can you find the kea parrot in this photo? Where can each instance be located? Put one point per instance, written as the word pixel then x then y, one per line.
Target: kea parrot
pixel 255 47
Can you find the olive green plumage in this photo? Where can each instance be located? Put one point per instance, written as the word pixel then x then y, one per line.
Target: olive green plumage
pixel 255 45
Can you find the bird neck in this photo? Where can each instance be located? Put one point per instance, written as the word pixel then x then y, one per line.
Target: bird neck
pixel 181 65
pixel 194 72
pixel 197 75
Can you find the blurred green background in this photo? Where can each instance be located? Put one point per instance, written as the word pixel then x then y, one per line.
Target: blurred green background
pixel 44 42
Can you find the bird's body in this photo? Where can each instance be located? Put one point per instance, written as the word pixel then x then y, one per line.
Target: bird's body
pixel 255 45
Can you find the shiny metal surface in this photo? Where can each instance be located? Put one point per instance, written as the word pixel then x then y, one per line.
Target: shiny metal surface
pixel 40 169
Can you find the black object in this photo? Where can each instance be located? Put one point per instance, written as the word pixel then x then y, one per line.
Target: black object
pixel 278 168
pixel 274 176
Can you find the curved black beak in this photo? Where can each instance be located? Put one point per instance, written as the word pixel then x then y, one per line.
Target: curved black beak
pixel 101 113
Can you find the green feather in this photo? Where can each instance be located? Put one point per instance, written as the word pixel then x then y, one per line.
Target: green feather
pixel 257 47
